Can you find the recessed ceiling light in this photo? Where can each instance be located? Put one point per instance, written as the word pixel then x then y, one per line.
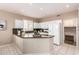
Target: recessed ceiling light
pixel 41 8
pixel 67 5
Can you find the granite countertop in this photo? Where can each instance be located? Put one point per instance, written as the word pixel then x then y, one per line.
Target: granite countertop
pixel 49 36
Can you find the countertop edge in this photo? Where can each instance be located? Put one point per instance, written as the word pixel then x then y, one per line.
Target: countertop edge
pixel 33 37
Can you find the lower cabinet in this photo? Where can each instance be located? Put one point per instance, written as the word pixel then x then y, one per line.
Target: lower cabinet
pixel 34 45
pixel 19 42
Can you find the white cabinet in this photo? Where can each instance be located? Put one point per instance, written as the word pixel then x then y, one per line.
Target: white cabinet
pixel 19 24
pixel 33 45
pixel 28 25
pixel 56 29
pixel 69 23
pixel 44 25
pixel 36 25
pixel 25 25
pixel 19 42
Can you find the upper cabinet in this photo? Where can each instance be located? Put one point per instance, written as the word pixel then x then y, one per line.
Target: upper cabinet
pixel 30 25
pixel 36 25
pixel 27 25
pixel 44 25
pixel 19 23
pixel 69 23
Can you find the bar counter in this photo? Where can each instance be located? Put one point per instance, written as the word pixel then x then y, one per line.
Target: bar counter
pixel 34 45
pixel 44 36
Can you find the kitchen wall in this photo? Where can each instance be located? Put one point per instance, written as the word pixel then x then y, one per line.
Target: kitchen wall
pixel 65 16
pixel 7 36
pixel 77 32
pixel 69 19
pixel 49 18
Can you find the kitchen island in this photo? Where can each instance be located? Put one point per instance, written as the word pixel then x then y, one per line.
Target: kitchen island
pixel 34 45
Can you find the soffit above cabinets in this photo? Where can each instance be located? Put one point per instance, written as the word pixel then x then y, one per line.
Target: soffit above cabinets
pixel 38 10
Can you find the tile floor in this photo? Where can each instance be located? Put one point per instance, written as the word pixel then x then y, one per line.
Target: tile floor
pixel 9 49
pixel 66 49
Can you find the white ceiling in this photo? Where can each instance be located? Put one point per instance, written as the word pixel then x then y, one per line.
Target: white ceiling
pixel 33 9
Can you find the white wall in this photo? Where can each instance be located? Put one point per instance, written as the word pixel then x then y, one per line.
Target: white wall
pixel 77 29
pixel 7 36
pixel 69 20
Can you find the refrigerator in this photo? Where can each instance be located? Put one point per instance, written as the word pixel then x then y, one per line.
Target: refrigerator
pixel 56 29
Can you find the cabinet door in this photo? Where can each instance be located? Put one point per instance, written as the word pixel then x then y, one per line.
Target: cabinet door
pixel 19 23
pixel 36 25
pixel 56 29
pixel 28 25
pixel 19 42
pixel 25 28
pixel 44 25
pixel 69 22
